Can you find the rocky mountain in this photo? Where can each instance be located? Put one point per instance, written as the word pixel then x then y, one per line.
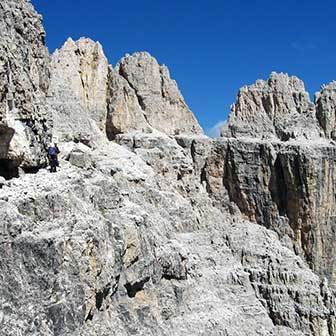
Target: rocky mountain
pixel 325 109
pixel 149 227
pixel 284 177
pixel 279 108
pixel 78 91
pixel 24 80
pixel 159 103
pixel 91 100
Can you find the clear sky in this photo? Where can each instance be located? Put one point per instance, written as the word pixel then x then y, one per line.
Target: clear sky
pixel 212 47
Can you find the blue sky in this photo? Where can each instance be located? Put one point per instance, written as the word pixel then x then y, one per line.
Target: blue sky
pixel 212 47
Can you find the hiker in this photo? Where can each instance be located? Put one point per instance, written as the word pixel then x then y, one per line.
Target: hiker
pixel 53 151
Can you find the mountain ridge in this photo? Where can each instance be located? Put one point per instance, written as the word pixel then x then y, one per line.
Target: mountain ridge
pixel 150 227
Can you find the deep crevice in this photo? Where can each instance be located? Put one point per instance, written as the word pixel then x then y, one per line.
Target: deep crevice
pixel 231 181
pixel 116 285
pixel 134 261
pixel 174 277
pixel 8 169
pixel 193 151
pixel 204 179
pixel 31 170
pixel 101 296
pixel 89 317
pixel 278 187
pixel 134 288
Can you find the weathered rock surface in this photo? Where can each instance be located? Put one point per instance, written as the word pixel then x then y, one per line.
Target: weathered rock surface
pixel 277 108
pixel 286 183
pixel 146 94
pixel 78 91
pixel 124 112
pixel 289 187
pixel 325 109
pixel 125 247
pixel 24 80
pixel 155 232
pixel 91 100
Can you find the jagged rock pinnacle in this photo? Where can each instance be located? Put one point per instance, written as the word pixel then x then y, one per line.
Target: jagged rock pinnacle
pixel 277 108
pixel 78 91
pixel 149 227
pixel 137 95
pixel 158 96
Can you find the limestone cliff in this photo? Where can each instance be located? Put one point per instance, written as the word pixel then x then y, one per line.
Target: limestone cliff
pixel 24 81
pixel 150 227
pixel 91 99
pixel 78 91
pixel 159 103
pixel 276 161
pixel 287 187
pixel 277 108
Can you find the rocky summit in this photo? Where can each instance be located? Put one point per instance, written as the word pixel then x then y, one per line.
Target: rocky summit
pixel 149 227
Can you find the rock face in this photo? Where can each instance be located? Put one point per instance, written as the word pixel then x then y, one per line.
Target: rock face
pixel 289 188
pixel 161 230
pixel 24 80
pixel 282 182
pixel 277 108
pixel 91 100
pixel 78 91
pixel 131 243
pixel 124 112
pixel 145 95
pixel 325 106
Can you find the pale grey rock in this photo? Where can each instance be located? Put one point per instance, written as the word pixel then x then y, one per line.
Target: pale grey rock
pixel 91 101
pixel 325 109
pixel 285 183
pixel 123 248
pixel 277 108
pixel 80 156
pixel 124 112
pixel 147 94
pixel 24 81
pixel 286 186
pixel 78 92
pixel 155 233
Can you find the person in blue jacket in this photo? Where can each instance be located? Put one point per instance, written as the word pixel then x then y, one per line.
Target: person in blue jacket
pixel 53 151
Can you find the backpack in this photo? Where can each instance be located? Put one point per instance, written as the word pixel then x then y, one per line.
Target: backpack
pixel 52 151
